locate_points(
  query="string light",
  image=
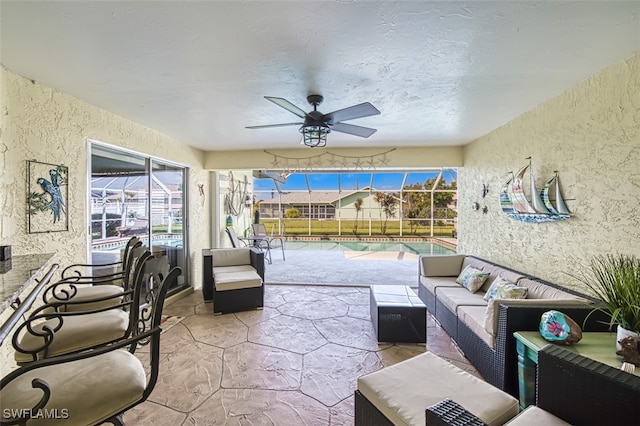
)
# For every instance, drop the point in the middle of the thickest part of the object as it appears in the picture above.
(328, 160)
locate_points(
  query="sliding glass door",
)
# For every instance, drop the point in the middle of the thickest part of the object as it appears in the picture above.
(167, 213)
(132, 195)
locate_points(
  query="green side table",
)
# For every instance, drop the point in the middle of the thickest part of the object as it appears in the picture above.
(597, 346)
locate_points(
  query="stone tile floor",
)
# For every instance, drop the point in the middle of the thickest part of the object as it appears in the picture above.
(295, 362)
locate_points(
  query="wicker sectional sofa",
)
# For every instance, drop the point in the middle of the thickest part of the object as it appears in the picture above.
(484, 330)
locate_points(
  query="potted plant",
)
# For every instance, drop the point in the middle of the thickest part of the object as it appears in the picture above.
(615, 281)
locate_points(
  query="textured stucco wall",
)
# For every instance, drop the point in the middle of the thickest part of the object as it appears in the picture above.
(591, 135)
(40, 123)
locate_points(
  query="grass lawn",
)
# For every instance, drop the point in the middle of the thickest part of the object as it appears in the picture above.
(293, 227)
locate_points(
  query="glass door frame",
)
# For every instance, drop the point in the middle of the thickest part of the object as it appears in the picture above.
(149, 162)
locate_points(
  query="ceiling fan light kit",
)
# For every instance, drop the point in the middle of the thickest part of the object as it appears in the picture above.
(317, 126)
(315, 136)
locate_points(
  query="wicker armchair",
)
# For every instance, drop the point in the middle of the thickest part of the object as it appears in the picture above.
(233, 278)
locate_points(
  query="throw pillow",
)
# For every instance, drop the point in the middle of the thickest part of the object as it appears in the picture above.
(472, 278)
(503, 289)
(497, 284)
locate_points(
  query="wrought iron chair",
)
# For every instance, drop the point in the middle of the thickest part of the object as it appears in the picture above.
(89, 387)
(267, 241)
(54, 329)
(79, 271)
(82, 288)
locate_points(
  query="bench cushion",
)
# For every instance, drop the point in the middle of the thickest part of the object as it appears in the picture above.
(403, 391)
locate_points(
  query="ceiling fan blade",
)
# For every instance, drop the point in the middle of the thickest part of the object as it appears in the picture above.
(274, 125)
(281, 102)
(363, 132)
(356, 111)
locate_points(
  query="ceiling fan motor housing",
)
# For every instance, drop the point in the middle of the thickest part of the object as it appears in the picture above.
(315, 100)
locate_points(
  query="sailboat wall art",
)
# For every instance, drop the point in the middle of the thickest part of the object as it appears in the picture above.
(540, 207)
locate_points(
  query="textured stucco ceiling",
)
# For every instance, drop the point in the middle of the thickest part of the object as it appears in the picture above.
(441, 73)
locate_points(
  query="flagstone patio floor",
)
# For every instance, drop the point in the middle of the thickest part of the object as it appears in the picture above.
(295, 362)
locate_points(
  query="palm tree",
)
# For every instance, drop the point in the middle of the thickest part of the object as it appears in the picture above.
(358, 206)
(388, 204)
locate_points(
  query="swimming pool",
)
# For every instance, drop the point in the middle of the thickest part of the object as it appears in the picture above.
(160, 240)
(415, 247)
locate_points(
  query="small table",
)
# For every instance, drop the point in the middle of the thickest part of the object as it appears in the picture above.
(600, 347)
(257, 241)
(398, 314)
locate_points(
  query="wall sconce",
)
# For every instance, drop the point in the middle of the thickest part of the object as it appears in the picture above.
(248, 202)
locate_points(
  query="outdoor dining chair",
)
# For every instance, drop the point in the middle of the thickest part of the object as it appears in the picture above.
(267, 241)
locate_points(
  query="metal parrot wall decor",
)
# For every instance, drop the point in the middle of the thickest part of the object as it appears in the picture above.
(47, 195)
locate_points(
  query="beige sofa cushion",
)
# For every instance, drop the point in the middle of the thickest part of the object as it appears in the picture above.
(403, 391)
(454, 297)
(497, 271)
(538, 290)
(77, 332)
(441, 266)
(88, 395)
(473, 317)
(491, 315)
(433, 283)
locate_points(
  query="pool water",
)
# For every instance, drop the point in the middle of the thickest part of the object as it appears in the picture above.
(119, 245)
(394, 246)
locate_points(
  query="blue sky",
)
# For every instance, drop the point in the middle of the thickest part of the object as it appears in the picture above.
(350, 181)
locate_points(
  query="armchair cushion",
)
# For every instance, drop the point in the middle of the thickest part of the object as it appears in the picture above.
(232, 257)
(225, 281)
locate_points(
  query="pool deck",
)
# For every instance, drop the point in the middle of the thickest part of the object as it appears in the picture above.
(346, 268)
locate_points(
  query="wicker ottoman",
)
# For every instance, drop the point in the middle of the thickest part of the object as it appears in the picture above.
(400, 394)
(398, 314)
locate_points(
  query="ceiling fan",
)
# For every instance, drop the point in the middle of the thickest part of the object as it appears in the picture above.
(317, 126)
